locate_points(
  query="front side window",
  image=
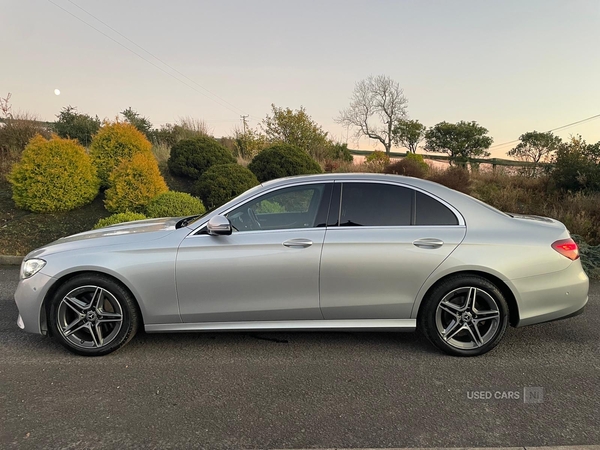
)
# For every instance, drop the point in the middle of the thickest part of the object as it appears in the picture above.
(375, 204)
(287, 208)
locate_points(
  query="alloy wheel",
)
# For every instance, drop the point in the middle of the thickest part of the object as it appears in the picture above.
(89, 317)
(467, 318)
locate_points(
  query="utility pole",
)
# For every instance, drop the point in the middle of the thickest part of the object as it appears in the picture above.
(244, 117)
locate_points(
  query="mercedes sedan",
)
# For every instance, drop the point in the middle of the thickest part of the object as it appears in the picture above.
(323, 252)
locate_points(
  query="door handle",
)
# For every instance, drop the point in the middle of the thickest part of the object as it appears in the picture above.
(298, 243)
(428, 243)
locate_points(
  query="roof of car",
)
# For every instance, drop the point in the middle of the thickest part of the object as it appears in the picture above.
(423, 184)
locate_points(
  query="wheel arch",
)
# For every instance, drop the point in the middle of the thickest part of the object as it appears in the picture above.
(45, 307)
(507, 292)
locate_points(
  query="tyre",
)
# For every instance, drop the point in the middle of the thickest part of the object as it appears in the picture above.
(464, 316)
(93, 315)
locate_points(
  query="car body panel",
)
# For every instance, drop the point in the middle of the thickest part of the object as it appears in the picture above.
(144, 263)
(298, 325)
(376, 273)
(272, 281)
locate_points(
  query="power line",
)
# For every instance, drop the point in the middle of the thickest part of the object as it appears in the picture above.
(154, 56)
(553, 129)
(220, 101)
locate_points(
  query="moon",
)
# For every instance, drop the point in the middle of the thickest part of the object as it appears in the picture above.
(56, 92)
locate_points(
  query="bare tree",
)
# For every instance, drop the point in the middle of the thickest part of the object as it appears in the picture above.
(377, 103)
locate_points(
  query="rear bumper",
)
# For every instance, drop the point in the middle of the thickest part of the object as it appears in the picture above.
(552, 296)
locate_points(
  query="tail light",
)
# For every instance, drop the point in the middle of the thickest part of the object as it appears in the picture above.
(567, 247)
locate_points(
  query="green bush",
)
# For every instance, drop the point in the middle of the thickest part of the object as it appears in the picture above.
(338, 152)
(133, 183)
(412, 165)
(219, 184)
(119, 218)
(174, 204)
(53, 175)
(114, 143)
(193, 157)
(376, 161)
(72, 125)
(282, 160)
(577, 166)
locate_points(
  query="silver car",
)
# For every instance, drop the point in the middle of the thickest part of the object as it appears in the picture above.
(323, 252)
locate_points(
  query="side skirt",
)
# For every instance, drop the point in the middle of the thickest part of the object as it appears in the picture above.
(290, 325)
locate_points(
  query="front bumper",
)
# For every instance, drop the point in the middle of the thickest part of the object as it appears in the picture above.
(552, 296)
(29, 297)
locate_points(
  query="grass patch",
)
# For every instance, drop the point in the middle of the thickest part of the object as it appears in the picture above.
(22, 231)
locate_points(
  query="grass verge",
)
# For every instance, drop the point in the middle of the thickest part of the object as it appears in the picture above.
(22, 231)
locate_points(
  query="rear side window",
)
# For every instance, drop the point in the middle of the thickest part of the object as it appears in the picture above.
(432, 212)
(374, 204)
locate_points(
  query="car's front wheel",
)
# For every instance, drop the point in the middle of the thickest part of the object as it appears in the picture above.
(92, 315)
(464, 316)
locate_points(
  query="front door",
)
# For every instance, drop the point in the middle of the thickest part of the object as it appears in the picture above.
(266, 270)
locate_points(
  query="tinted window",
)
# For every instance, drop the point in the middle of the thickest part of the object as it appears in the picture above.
(293, 207)
(432, 212)
(373, 204)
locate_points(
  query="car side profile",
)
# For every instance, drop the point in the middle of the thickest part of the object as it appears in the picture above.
(319, 252)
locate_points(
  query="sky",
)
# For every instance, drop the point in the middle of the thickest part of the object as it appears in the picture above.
(512, 66)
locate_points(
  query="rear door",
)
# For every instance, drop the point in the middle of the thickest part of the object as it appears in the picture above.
(384, 243)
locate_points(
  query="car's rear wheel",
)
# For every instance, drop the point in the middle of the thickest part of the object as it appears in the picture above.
(464, 316)
(93, 315)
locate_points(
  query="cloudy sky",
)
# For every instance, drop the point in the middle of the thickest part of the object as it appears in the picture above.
(512, 66)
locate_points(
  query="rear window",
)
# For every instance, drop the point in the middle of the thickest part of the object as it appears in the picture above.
(432, 212)
(373, 204)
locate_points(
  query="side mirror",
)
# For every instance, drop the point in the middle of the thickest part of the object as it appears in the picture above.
(219, 226)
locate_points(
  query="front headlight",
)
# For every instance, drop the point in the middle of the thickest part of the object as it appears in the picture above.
(30, 267)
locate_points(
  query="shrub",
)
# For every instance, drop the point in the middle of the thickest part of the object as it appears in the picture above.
(454, 177)
(133, 183)
(377, 155)
(376, 161)
(193, 157)
(187, 128)
(577, 166)
(119, 218)
(15, 134)
(174, 204)
(219, 184)
(72, 125)
(335, 155)
(53, 175)
(114, 143)
(412, 165)
(282, 160)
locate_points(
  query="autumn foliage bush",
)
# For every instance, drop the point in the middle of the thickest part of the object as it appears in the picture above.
(114, 143)
(174, 204)
(53, 175)
(133, 183)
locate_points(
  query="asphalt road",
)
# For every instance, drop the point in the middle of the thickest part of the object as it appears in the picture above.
(299, 390)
